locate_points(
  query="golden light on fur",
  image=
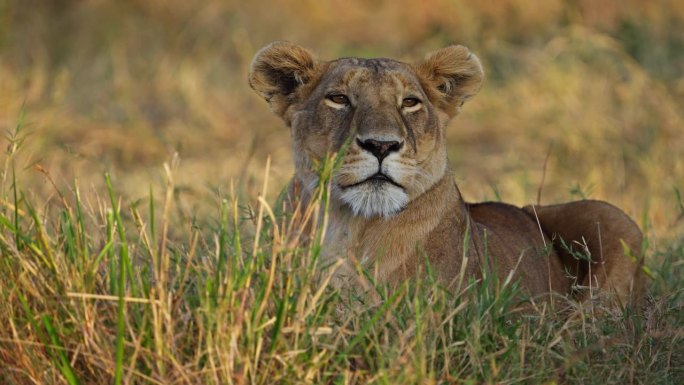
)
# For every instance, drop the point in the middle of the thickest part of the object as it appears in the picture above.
(394, 200)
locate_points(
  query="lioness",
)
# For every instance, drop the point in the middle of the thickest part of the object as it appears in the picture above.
(394, 202)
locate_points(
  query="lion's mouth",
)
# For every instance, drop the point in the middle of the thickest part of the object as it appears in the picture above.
(377, 178)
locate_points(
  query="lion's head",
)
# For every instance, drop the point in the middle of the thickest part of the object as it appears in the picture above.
(391, 116)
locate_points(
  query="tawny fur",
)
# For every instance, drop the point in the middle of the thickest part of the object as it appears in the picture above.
(352, 103)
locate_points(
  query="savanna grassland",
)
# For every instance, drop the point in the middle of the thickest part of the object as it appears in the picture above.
(139, 237)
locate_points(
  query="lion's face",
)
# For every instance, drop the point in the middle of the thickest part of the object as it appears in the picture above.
(393, 136)
(388, 117)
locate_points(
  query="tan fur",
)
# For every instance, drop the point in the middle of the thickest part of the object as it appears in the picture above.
(394, 204)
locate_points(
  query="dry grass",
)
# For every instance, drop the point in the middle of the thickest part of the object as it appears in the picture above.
(119, 87)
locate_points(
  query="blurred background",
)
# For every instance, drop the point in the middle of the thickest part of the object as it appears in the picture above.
(592, 89)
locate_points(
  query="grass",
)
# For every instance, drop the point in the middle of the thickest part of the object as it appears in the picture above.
(120, 293)
(114, 271)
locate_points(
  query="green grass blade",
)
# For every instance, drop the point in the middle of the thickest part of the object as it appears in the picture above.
(83, 239)
(63, 364)
(223, 253)
(17, 239)
(123, 263)
(53, 345)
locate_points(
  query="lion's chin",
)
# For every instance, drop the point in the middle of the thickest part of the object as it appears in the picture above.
(375, 198)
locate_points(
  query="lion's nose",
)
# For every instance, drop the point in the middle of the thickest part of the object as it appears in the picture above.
(380, 148)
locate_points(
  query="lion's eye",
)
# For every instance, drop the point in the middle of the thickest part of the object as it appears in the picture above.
(410, 103)
(339, 99)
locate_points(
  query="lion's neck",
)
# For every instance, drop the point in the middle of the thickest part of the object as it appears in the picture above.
(394, 246)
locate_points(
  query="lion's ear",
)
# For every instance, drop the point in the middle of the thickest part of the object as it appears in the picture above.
(451, 76)
(278, 70)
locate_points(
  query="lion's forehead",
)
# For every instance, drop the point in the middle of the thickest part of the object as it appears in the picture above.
(371, 76)
(375, 64)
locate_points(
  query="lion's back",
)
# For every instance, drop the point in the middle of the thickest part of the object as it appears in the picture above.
(512, 234)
